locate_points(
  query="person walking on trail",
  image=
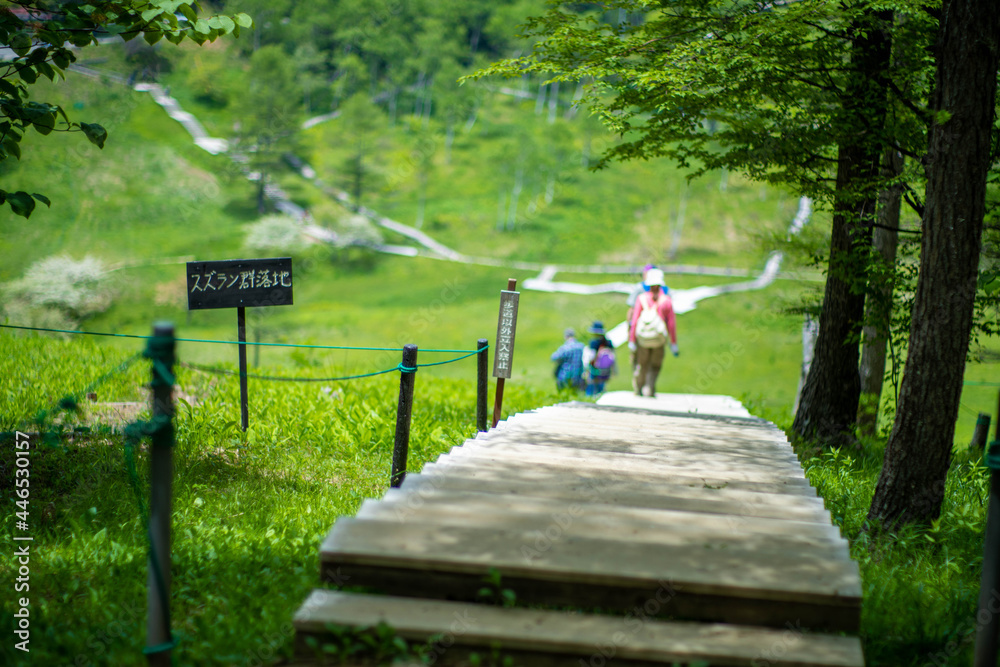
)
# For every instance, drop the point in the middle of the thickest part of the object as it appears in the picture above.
(652, 325)
(598, 360)
(639, 288)
(569, 362)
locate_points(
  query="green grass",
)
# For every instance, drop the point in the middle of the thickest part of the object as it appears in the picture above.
(920, 585)
(251, 509)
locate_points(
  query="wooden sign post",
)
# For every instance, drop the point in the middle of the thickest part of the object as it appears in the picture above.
(503, 358)
(238, 283)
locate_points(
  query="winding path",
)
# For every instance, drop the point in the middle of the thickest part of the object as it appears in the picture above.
(684, 300)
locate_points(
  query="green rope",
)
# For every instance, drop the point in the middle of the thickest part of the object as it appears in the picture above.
(71, 402)
(450, 361)
(275, 378)
(161, 648)
(400, 367)
(229, 342)
(992, 455)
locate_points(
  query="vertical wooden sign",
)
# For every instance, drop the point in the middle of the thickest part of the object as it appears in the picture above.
(503, 357)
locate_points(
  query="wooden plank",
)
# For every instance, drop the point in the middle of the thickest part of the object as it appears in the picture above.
(660, 451)
(553, 520)
(589, 460)
(520, 469)
(639, 443)
(539, 637)
(445, 561)
(664, 458)
(576, 435)
(625, 493)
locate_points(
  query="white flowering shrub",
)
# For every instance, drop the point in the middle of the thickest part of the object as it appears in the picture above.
(281, 234)
(76, 289)
(357, 230)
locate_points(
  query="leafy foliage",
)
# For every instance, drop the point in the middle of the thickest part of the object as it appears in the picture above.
(43, 35)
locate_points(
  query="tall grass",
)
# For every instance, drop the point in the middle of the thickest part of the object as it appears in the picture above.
(250, 509)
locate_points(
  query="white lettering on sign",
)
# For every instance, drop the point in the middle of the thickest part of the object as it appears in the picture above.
(503, 359)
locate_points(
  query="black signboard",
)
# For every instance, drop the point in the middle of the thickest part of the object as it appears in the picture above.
(239, 283)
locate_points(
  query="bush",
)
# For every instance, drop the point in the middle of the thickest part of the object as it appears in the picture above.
(277, 233)
(73, 289)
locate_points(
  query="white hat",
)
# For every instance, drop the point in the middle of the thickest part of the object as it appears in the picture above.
(654, 277)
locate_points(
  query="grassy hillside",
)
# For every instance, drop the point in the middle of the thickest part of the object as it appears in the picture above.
(151, 197)
(259, 502)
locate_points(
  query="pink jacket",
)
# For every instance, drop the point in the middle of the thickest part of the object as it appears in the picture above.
(665, 307)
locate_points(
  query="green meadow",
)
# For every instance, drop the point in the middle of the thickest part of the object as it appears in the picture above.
(250, 508)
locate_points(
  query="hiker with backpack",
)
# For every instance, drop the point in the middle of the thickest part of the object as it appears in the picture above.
(652, 326)
(569, 363)
(598, 360)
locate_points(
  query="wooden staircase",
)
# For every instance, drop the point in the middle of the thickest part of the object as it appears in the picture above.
(673, 538)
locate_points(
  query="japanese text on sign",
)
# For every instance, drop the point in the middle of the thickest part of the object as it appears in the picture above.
(503, 358)
(239, 283)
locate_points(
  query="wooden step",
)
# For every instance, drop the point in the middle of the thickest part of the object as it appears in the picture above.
(626, 524)
(562, 485)
(641, 443)
(657, 452)
(634, 469)
(547, 638)
(713, 583)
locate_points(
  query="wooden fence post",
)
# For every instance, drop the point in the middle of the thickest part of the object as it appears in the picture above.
(401, 446)
(482, 382)
(986, 632)
(159, 642)
(982, 432)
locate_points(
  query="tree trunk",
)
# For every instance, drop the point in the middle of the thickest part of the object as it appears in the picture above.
(878, 311)
(261, 199)
(553, 102)
(828, 406)
(911, 486)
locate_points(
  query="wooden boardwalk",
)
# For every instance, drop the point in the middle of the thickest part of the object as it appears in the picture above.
(629, 536)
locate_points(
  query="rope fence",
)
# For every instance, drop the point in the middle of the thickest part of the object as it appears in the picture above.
(467, 353)
(159, 430)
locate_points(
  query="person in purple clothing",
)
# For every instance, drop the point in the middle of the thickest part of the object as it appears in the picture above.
(569, 362)
(598, 360)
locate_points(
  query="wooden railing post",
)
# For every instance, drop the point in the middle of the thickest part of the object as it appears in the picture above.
(982, 432)
(482, 384)
(401, 446)
(988, 621)
(159, 641)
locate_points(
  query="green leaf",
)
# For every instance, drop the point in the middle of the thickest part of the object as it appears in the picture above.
(21, 203)
(243, 20)
(28, 74)
(201, 26)
(9, 89)
(96, 134)
(188, 13)
(42, 198)
(47, 71)
(151, 14)
(171, 6)
(20, 43)
(152, 36)
(44, 124)
(12, 147)
(61, 58)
